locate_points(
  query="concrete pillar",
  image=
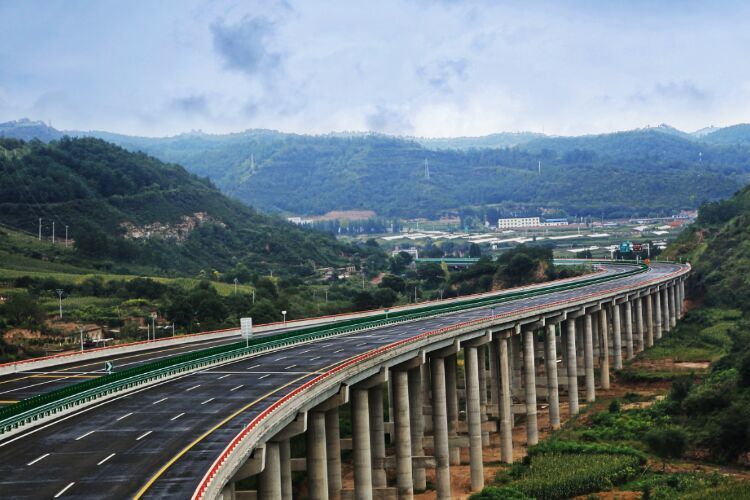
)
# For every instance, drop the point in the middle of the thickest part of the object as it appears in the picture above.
(595, 335)
(377, 436)
(639, 323)
(285, 467)
(333, 453)
(665, 310)
(401, 414)
(617, 336)
(451, 398)
(572, 367)
(515, 363)
(482, 364)
(657, 310)
(629, 351)
(361, 445)
(416, 416)
(588, 358)
(649, 320)
(550, 368)
(532, 433)
(682, 298)
(494, 380)
(270, 478)
(440, 429)
(474, 417)
(672, 308)
(506, 424)
(317, 475)
(604, 349)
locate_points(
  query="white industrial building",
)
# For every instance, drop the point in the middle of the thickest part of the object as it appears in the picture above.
(518, 222)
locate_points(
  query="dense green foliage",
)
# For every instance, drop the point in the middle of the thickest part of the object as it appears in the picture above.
(647, 172)
(94, 187)
(650, 171)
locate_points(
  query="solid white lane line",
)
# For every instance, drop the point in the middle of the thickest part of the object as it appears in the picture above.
(124, 416)
(143, 435)
(191, 388)
(38, 459)
(224, 376)
(235, 388)
(62, 491)
(207, 401)
(157, 402)
(104, 460)
(84, 435)
(177, 416)
(264, 376)
(290, 367)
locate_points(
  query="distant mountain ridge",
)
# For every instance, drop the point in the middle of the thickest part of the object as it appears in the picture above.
(648, 171)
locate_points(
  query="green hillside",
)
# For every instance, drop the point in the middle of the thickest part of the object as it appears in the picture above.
(106, 195)
(645, 172)
(654, 171)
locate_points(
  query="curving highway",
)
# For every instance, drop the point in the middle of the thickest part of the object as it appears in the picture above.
(160, 441)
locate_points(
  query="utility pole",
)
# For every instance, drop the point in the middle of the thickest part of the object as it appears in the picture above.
(235, 286)
(60, 293)
(40, 229)
(66, 236)
(81, 339)
(253, 296)
(53, 232)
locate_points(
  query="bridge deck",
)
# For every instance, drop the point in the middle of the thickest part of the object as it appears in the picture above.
(167, 435)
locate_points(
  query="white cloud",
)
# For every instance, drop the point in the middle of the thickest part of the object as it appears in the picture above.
(398, 66)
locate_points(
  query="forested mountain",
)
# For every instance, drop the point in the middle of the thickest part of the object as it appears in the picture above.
(642, 172)
(500, 140)
(717, 245)
(137, 210)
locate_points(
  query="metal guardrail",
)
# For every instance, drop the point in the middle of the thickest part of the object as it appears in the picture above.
(43, 405)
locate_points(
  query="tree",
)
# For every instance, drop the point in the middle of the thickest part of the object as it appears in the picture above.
(431, 274)
(475, 251)
(399, 262)
(395, 283)
(22, 310)
(668, 442)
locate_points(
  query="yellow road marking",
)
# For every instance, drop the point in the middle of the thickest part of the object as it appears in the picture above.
(203, 436)
(8, 401)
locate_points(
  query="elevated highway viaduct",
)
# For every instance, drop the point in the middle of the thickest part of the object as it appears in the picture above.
(201, 433)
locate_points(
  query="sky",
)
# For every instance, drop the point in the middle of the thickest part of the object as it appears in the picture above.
(409, 67)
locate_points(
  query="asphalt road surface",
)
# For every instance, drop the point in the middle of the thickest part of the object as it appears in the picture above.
(160, 440)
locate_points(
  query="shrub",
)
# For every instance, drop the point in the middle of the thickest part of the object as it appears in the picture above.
(614, 406)
(667, 443)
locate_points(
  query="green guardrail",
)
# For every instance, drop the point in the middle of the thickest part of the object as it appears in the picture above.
(49, 403)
